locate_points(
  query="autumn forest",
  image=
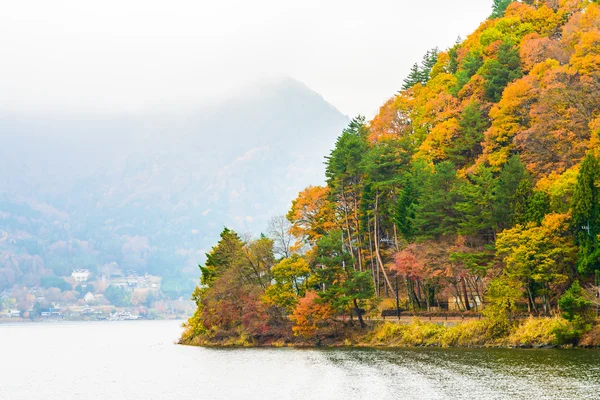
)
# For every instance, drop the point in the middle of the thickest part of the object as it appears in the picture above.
(473, 193)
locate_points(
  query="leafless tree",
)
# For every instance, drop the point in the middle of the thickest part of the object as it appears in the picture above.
(594, 294)
(279, 231)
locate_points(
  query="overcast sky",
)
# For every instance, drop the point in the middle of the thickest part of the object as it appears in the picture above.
(114, 55)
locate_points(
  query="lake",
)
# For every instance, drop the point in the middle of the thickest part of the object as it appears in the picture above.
(138, 360)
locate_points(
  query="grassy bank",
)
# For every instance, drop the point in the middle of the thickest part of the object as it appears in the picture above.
(529, 333)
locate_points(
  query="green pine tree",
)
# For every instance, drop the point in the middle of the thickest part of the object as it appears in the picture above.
(467, 146)
(414, 77)
(436, 214)
(586, 213)
(521, 201)
(476, 205)
(539, 206)
(343, 163)
(509, 179)
(404, 213)
(468, 67)
(453, 55)
(226, 254)
(499, 7)
(573, 302)
(427, 64)
(501, 71)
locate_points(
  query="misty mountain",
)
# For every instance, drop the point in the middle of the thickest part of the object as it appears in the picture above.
(151, 191)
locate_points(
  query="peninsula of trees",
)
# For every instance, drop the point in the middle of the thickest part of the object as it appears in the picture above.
(475, 188)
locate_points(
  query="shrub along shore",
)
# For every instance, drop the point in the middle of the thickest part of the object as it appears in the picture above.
(533, 332)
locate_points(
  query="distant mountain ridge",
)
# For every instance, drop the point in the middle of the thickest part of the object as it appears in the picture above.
(152, 191)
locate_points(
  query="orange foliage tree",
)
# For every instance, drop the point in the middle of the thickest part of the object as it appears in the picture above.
(312, 214)
(310, 316)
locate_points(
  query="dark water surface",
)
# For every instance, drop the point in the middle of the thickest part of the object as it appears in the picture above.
(138, 360)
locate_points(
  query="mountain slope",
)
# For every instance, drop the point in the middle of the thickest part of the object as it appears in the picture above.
(152, 191)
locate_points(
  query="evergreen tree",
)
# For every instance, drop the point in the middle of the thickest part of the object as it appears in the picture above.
(412, 185)
(586, 215)
(225, 255)
(468, 67)
(528, 205)
(577, 309)
(427, 64)
(345, 176)
(476, 205)
(521, 201)
(343, 288)
(384, 164)
(405, 213)
(573, 303)
(467, 146)
(414, 77)
(501, 71)
(453, 55)
(539, 206)
(436, 214)
(343, 163)
(509, 179)
(499, 7)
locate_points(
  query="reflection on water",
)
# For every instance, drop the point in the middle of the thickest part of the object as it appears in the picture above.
(482, 374)
(138, 360)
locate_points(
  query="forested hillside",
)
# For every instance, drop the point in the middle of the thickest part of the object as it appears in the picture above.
(475, 187)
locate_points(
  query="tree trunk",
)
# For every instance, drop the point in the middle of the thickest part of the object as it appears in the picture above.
(377, 253)
(473, 292)
(427, 299)
(419, 294)
(348, 226)
(477, 292)
(457, 297)
(359, 242)
(465, 294)
(532, 307)
(375, 278)
(410, 288)
(359, 314)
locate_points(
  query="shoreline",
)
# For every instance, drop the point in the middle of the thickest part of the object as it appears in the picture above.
(533, 333)
(383, 347)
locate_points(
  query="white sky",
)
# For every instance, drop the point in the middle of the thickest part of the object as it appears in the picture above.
(74, 55)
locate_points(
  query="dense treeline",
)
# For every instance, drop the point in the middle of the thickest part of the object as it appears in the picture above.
(475, 188)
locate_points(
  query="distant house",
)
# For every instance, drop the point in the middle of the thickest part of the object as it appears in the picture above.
(81, 275)
(89, 296)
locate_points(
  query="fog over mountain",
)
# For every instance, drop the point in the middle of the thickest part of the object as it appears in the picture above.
(152, 190)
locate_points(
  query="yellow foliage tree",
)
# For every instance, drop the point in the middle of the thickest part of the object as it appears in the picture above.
(312, 215)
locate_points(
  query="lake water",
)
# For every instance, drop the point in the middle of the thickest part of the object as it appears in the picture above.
(139, 360)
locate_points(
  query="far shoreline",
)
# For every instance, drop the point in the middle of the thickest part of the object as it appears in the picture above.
(26, 321)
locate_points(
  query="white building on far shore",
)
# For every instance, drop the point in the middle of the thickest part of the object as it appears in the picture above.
(81, 275)
(89, 297)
